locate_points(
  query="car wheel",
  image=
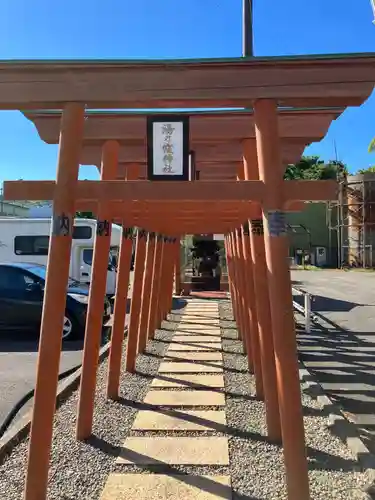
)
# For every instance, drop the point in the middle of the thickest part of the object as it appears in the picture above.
(70, 329)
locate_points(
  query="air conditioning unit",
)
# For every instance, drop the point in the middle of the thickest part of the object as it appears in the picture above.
(320, 256)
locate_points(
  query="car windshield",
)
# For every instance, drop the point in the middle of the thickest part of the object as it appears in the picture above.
(88, 255)
(41, 272)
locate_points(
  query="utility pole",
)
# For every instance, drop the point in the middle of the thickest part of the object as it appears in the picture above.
(247, 28)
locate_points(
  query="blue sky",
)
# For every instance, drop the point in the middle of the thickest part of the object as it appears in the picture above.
(41, 29)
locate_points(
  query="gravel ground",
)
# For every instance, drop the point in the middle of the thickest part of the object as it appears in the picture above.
(257, 468)
(81, 472)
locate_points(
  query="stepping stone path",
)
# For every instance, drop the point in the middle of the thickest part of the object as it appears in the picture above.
(190, 376)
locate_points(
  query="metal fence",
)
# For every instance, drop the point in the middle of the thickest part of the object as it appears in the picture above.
(306, 308)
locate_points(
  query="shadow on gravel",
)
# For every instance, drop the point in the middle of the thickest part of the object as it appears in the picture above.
(191, 385)
(181, 414)
(170, 358)
(319, 460)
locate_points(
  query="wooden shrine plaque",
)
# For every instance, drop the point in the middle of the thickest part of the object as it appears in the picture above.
(168, 148)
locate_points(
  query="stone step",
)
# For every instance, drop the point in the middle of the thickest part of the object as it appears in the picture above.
(192, 320)
(209, 315)
(179, 420)
(192, 307)
(180, 367)
(202, 313)
(196, 326)
(166, 487)
(206, 333)
(196, 338)
(197, 347)
(185, 398)
(174, 451)
(194, 356)
(189, 380)
(201, 307)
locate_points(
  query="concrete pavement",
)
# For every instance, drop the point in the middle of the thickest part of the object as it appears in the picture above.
(18, 359)
(342, 354)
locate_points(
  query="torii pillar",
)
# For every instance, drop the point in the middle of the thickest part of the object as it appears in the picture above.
(284, 336)
(94, 319)
(250, 304)
(146, 293)
(178, 268)
(156, 272)
(136, 300)
(71, 135)
(259, 277)
(121, 301)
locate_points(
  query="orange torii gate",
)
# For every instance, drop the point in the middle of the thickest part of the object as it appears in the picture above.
(172, 192)
(208, 130)
(215, 137)
(294, 81)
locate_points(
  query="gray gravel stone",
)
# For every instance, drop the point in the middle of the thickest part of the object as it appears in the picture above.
(79, 470)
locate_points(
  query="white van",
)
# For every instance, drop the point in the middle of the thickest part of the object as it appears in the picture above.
(27, 240)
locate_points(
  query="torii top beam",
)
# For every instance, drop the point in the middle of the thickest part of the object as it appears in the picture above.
(212, 128)
(211, 133)
(299, 81)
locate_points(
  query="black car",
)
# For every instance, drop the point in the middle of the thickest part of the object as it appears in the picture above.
(21, 300)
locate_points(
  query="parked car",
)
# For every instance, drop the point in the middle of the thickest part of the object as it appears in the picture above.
(21, 300)
(28, 240)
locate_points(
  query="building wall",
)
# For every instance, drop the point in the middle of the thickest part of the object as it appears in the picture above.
(314, 219)
(9, 209)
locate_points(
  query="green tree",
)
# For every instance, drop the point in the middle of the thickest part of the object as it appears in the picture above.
(371, 148)
(314, 168)
(369, 170)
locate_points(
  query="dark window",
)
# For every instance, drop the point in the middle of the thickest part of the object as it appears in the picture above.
(87, 256)
(82, 232)
(14, 279)
(31, 245)
(38, 245)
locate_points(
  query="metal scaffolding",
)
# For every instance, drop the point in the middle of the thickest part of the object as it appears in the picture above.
(351, 220)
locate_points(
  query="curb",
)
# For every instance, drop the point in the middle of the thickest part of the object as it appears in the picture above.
(341, 427)
(20, 429)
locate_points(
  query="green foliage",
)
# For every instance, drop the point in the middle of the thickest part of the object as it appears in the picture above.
(369, 170)
(313, 168)
(371, 148)
(85, 215)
